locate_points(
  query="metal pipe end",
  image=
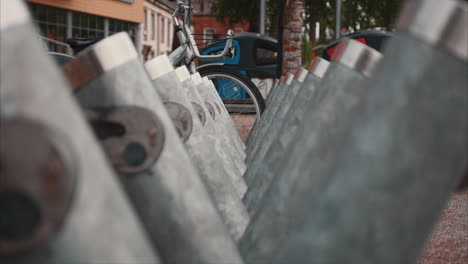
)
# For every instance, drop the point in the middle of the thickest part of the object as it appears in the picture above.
(357, 56)
(103, 56)
(13, 12)
(275, 82)
(182, 73)
(281, 80)
(319, 67)
(301, 74)
(197, 78)
(438, 23)
(288, 78)
(206, 81)
(159, 66)
(110, 52)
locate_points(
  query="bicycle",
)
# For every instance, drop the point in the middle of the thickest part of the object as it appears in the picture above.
(188, 52)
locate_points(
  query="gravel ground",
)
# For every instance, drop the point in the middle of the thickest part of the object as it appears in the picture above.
(449, 240)
(448, 243)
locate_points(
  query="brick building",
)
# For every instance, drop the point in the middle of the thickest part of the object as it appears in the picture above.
(204, 23)
(59, 20)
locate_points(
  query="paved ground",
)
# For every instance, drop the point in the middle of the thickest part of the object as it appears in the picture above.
(449, 240)
(243, 123)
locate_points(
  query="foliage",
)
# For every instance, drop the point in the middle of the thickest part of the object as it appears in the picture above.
(356, 14)
(307, 53)
(238, 11)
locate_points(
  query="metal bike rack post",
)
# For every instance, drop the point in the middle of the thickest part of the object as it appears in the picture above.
(275, 89)
(282, 208)
(268, 116)
(225, 117)
(211, 130)
(286, 134)
(168, 195)
(258, 151)
(59, 200)
(271, 94)
(206, 94)
(199, 145)
(195, 96)
(405, 154)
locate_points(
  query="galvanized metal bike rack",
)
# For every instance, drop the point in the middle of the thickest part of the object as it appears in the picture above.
(341, 91)
(271, 94)
(36, 190)
(132, 144)
(405, 153)
(260, 128)
(259, 150)
(211, 130)
(199, 145)
(204, 93)
(222, 117)
(262, 178)
(225, 117)
(59, 199)
(167, 196)
(274, 89)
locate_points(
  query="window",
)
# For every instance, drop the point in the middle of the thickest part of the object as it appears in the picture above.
(53, 24)
(116, 26)
(208, 35)
(162, 29)
(145, 33)
(265, 56)
(169, 31)
(87, 26)
(153, 26)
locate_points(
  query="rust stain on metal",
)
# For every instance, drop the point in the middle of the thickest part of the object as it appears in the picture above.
(51, 173)
(152, 132)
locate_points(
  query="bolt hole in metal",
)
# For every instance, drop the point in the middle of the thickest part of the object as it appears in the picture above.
(135, 154)
(181, 118)
(106, 129)
(20, 216)
(200, 113)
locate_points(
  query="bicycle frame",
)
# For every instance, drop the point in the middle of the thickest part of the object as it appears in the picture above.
(188, 51)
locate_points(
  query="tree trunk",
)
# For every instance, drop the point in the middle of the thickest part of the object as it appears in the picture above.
(292, 35)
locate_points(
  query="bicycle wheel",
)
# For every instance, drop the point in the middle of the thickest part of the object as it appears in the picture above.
(243, 97)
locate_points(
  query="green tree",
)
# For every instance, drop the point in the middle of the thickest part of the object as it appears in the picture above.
(356, 14)
(238, 11)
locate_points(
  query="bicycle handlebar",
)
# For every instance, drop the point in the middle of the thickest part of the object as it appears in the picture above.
(184, 7)
(218, 57)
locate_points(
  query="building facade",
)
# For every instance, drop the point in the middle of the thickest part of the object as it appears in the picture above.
(60, 20)
(148, 22)
(207, 27)
(157, 30)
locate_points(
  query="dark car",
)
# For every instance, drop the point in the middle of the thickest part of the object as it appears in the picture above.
(372, 38)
